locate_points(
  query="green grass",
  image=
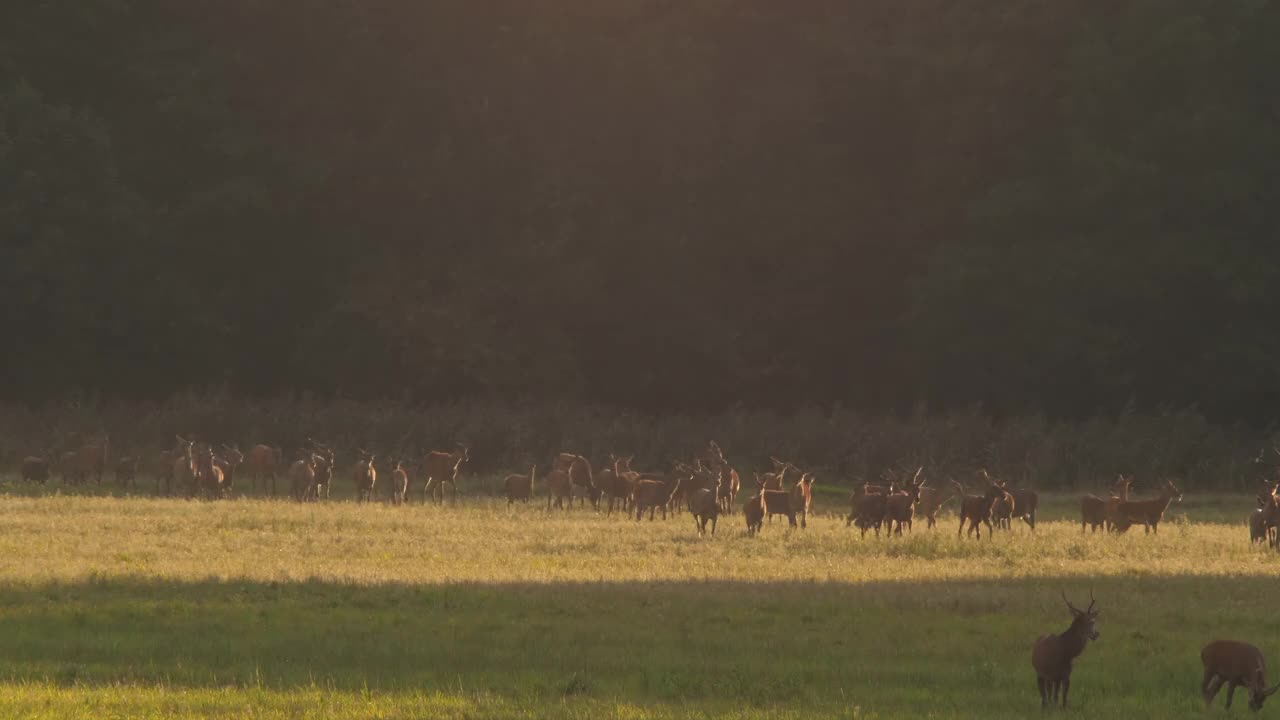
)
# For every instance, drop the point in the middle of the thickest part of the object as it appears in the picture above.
(129, 607)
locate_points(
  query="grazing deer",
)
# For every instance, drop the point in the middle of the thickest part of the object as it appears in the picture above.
(399, 483)
(520, 487)
(650, 494)
(228, 459)
(1150, 512)
(704, 503)
(1052, 655)
(365, 476)
(1269, 513)
(442, 468)
(900, 507)
(35, 469)
(869, 508)
(976, 509)
(1098, 513)
(1236, 664)
(265, 462)
(753, 512)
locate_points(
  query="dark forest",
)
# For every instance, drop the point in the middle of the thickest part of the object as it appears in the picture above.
(1031, 207)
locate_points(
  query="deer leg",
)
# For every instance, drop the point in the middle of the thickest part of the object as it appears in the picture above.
(1044, 694)
(961, 530)
(1231, 690)
(1209, 677)
(989, 533)
(1066, 687)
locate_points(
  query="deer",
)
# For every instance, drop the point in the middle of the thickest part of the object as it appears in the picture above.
(753, 512)
(1235, 664)
(900, 507)
(265, 462)
(209, 477)
(704, 503)
(650, 494)
(520, 487)
(126, 471)
(1257, 527)
(977, 509)
(1268, 513)
(302, 476)
(1150, 512)
(365, 475)
(618, 482)
(730, 483)
(579, 470)
(559, 487)
(183, 472)
(399, 483)
(91, 459)
(869, 509)
(1002, 512)
(932, 500)
(1053, 655)
(1098, 513)
(228, 459)
(441, 468)
(323, 466)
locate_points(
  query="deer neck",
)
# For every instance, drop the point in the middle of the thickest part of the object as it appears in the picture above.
(1074, 639)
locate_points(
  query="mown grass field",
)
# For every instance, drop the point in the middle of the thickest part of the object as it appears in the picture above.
(135, 607)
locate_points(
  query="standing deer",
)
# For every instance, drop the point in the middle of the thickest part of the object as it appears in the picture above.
(977, 509)
(900, 507)
(559, 487)
(1236, 664)
(399, 483)
(265, 462)
(520, 487)
(442, 468)
(228, 459)
(1098, 513)
(1150, 512)
(365, 475)
(932, 500)
(35, 469)
(1052, 655)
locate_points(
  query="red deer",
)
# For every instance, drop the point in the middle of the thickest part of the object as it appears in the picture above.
(652, 494)
(932, 500)
(790, 502)
(900, 507)
(579, 470)
(1236, 664)
(1052, 655)
(1002, 512)
(365, 476)
(869, 508)
(265, 462)
(730, 483)
(323, 465)
(976, 509)
(209, 477)
(753, 512)
(520, 487)
(302, 476)
(559, 487)
(617, 482)
(399, 483)
(35, 469)
(704, 503)
(183, 472)
(89, 460)
(67, 466)
(228, 459)
(1269, 513)
(442, 468)
(1150, 512)
(1096, 512)
(1257, 527)
(165, 463)
(1025, 504)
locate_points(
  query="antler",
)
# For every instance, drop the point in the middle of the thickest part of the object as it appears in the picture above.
(1091, 601)
(915, 479)
(1070, 607)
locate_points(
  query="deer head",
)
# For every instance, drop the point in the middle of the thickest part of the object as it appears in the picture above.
(1086, 618)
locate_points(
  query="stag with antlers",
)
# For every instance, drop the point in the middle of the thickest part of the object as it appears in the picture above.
(1053, 655)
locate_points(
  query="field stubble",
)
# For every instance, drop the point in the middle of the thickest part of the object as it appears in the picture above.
(132, 607)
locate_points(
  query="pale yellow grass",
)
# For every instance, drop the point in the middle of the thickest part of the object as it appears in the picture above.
(73, 538)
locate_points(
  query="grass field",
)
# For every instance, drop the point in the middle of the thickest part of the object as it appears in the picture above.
(134, 607)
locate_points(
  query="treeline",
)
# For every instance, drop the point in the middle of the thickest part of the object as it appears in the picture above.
(841, 447)
(1065, 209)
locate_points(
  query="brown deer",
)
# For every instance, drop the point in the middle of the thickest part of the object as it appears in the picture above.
(931, 501)
(1052, 655)
(1098, 513)
(1268, 512)
(1257, 527)
(183, 474)
(302, 476)
(730, 482)
(617, 482)
(365, 476)
(442, 468)
(704, 503)
(520, 487)
(1002, 512)
(753, 512)
(1025, 505)
(579, 470)
(650, 494)
(1236, 664)
(209, 477)
(1150, 512)
(900, 507)
(265, 462)
(35, 469)
(399, 483)
(228, 459)
(323, 465)
(126, 471)
(89, 460)
(976, 509)
(869, 508)
(559, 487)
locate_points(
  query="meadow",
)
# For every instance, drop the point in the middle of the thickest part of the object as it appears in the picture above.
(137, 607)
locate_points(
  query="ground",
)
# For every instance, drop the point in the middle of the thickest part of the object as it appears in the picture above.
(135, 607)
